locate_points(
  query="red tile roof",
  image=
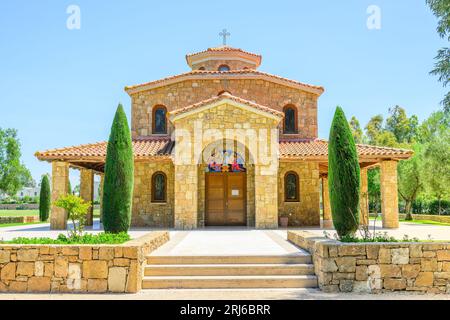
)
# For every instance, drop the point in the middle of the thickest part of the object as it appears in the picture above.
(222, 49)
(225, 96)
(238, 74)
(161, 148)
(144, 148)
(295, 149)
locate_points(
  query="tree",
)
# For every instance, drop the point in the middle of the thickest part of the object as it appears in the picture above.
(13, 174)
(441, 9)
(76, 209)
(403, 128)
(343, 176)
(44, 199)
(357, 132)
(374, 128)
(437, 167)
(436, 124)
(119, 176)
(410, 179)
(69, 187)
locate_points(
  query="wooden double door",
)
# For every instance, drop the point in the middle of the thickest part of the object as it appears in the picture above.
(226, 199)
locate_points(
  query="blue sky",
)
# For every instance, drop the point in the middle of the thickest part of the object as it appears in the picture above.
(60, 87)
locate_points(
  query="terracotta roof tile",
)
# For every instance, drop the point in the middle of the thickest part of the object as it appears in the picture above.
(224, 96)
(319, 148)
(223, 49)
(143, 148)
(232, 73)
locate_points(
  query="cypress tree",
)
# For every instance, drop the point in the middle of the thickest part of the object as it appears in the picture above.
(343, 176)
(44, 199)
(119, 176)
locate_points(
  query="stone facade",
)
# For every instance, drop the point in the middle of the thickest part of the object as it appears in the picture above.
(77, 268)
(188, 185)
(182, 94)
(144, 211)
(60, 187)
(377, 267)
(305, 212)
(87, 192)
(215, 64)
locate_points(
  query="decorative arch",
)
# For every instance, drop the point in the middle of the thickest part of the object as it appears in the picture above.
(290, 122)
(291, 187)
(159, 187)
(159, 119)
(201, 68)
(223, 91)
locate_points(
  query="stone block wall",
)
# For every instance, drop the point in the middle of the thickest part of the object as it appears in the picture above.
(306, 212)
(145, 212)
(182, 94)
(27, 219)
(377, 267)
(77, 268)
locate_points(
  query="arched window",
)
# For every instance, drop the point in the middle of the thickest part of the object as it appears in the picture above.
(291, 192)
(290, 119)
(223, 67)
(159, 187)
(159, 121)
(201, 68)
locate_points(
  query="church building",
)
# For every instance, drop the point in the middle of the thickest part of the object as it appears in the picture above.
(225, 144)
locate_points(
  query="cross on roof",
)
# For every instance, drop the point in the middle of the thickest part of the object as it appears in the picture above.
(224, 34)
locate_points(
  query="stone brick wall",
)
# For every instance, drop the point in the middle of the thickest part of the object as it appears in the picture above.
(188, 92)
(28, 219)
(377, 267)
(306, 212)
(76, 268)
(144, 211)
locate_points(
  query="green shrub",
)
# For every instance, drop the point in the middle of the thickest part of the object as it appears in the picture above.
(119, 176)
(76, 210)
(44, 199)
(101, 238)
(343, 176)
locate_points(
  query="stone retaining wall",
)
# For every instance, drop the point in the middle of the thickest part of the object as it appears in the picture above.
(77, 268)
(377, 267)
(27, 219)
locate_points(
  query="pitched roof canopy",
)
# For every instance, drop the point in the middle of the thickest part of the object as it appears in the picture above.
(161, 148)
(225, 53)
(232, 74)
(224, 97)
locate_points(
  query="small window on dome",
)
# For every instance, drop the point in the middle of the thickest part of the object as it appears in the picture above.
(224, 67)
(201, 68)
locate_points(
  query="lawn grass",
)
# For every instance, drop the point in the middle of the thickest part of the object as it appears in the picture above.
(31, 212)
(19, 213)
(416, 221)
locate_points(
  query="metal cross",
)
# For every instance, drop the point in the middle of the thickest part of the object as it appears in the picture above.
(224, 34)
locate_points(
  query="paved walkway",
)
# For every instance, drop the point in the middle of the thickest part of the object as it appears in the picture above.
(230, 241)
(223, 294)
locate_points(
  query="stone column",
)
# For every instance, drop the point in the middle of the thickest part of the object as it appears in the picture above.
(60, 187)
(100, 195)
(87, 192)
(186, 194)
(327, 219)
(364, 199)
(266, 198)
(389, 193)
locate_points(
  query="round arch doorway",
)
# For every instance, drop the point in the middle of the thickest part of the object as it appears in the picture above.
(225, 186)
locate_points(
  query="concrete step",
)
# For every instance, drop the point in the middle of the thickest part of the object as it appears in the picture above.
(231, 282)
(300, 258)
(228, 269)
